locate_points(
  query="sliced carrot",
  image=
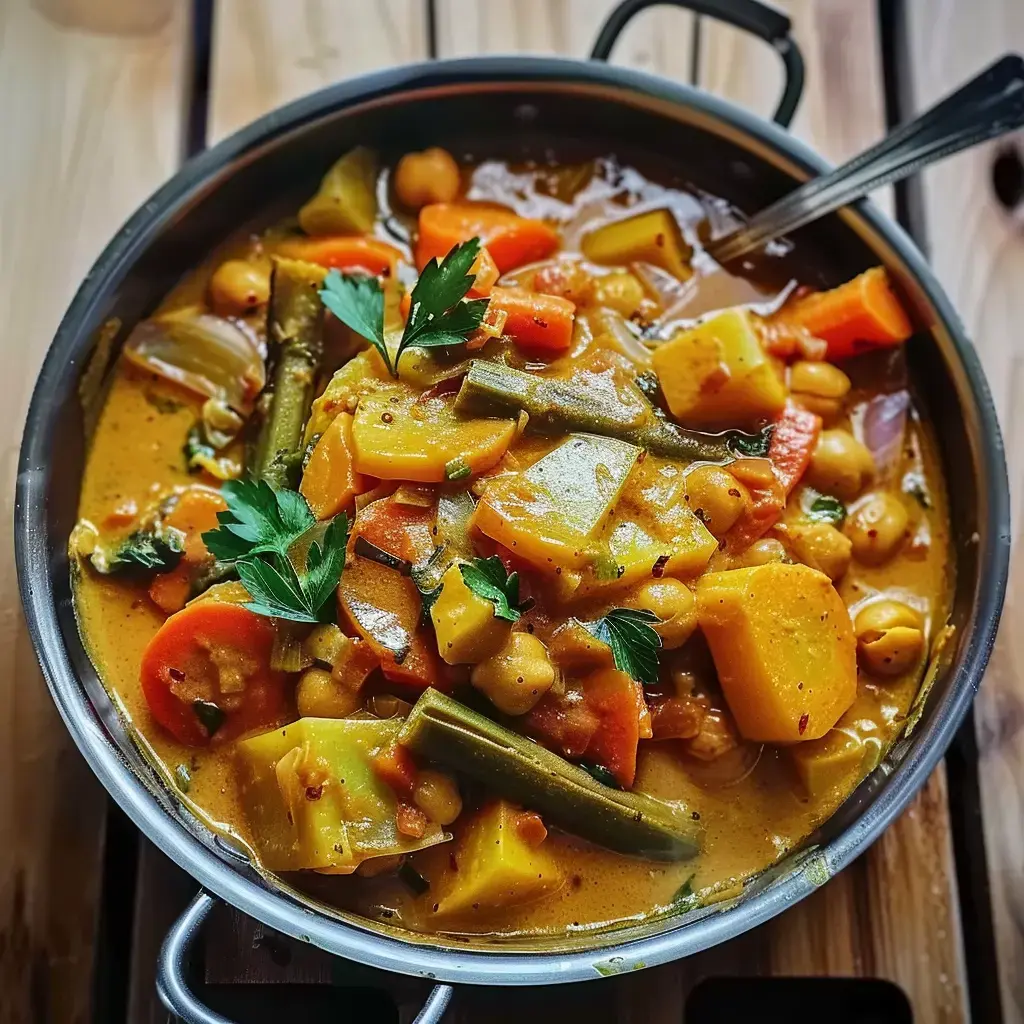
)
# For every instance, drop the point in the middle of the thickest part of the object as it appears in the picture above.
(400, 530)
(169, 591)
(193, 514)
(611, 695)
(511, 240)
(534, 320)
(767, 500)
(330, 481)
(485, 273)
(793, 442)
(855, 317)
(346, 252)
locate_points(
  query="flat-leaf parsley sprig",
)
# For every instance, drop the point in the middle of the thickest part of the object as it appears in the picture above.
(289, 563)
(634, 643)
(439, 313)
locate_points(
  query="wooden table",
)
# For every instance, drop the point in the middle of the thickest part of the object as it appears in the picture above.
(99, 102)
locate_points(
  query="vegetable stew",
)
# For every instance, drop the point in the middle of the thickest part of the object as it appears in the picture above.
(480, 554)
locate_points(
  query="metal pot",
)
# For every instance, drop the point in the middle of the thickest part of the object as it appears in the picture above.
(531, 105)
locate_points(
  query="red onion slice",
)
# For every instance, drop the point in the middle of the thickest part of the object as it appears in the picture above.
(882, 427)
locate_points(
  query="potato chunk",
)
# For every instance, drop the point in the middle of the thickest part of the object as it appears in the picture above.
(397, 437)
(497, 867)
(313, 801)
(465, 624)
(718, 374)
(651, 237)
(784, 649)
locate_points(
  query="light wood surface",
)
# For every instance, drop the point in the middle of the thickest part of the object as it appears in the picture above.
(978, 253)
(91, 117)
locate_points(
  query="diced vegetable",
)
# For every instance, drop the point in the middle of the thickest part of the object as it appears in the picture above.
(651, 237)
(445, 730)
(784, 649)
(347, 252)
(552, 513)
(398, 437)
(212, 657)
(384, 608)
(612, 696)
(485, 273)
(766, 500)
(170, 591)
(510, 239)
(534, 320)
(363, 373)
(346, 202)
(314, 801)
(466, 627)
(855, 317)
(206, 354)
(401, 530)
(494, 867)
(793, 443)
(588, 402)
(718, 373)
(295, 327)
(330, 481)
(395, 766)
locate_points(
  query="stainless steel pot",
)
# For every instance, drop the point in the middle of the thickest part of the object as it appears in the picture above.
(517, 106)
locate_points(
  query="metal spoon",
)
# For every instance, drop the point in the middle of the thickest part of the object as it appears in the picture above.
(986, 107)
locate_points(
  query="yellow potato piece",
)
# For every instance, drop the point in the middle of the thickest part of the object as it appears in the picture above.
(651, 237)
(363, 373)
(397, 438)
(784, 649)
(497, 868)
(464, 622)
(718, 373)
(552, 513)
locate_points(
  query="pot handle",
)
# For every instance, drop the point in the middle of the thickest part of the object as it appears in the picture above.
(172, 966)
(762, 20)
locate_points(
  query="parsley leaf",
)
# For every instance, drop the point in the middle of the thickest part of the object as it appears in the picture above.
(438, 316)
(826, 509)
(752, 446)
(281, 591)
(599, 773)
(487, 578)
(210, 715)
(151, 549)
(258, 519)
(634, 644)
(358, 302)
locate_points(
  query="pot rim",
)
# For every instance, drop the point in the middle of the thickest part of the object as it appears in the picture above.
(451, 963)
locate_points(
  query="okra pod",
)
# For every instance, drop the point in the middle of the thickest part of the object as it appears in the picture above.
(444, 730)
(564, 406)
(295, 334)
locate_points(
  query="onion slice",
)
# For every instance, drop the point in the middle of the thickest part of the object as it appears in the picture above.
(207, 354)
(882, 427)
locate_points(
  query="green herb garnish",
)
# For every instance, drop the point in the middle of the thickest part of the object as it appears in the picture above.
(457, 469)
(634, 644)
(210, 716)
(601, 774)
(153, 549)
(826, 509)
(289, 563)
(753, 446)
(685, 898)
(487, 578)
(183, 777)
(197, 448)
(439, 314)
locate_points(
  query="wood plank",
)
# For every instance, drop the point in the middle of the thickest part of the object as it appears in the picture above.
(658, 40)
(978, 252)
(267, 53)
(91, 109)
(894, 914)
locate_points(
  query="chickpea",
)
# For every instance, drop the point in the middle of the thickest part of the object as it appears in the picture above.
(890, 637)
(516, 678)
(716, 497)
(239, 286)
(428, 177)
(819, 387)
(877, 528)
(822, 547)
(673, 602)
(841, 465)
(620, 291)
(320, 695)
(437, 796)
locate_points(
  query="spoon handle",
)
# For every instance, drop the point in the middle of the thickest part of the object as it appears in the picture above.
(988, 106)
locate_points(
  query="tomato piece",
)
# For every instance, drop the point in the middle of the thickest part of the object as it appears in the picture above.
(218, 654)
(611, 695)
(394, 765)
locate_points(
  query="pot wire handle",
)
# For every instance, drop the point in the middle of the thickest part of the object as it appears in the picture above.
(760, 19)
(172, 967)
(989, 105)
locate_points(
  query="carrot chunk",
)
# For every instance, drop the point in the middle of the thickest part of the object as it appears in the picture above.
(855, 317)
(793, 442)
(534, 320)
(346, 252)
